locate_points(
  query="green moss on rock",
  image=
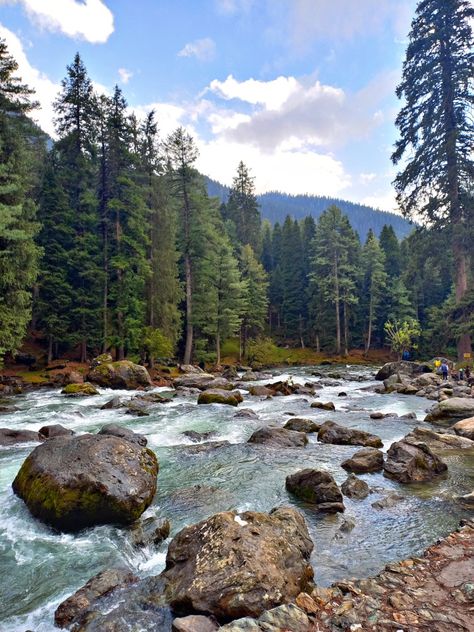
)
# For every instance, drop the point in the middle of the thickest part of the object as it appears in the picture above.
(77, 390)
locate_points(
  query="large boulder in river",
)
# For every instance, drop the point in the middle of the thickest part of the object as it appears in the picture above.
(441, 442)
(276, 437)
(330, 432)
(123, 432)
(453, 408)
(410, 369)
(122, 374)
(220, 396)
(8, 436)
(302, 425)
(81, 481)
(86, 389)
(194, 380)
(364, 461)
(465, 428)
(317, 487)
(411, 461)
(235, 565)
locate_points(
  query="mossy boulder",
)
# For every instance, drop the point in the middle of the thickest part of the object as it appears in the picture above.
(220, 396)
(76, 482)
(80, 390)
(317, 487)
(121, 375)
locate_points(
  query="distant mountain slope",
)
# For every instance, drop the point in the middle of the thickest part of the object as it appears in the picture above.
(276, 206)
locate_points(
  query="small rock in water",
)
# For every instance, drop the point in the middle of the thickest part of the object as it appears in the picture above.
(331, 432)
(347, 525)
(150, 531)
(302, 425)
(317, 487)
(279, 437)
(80, 390)
(124, 433)
(197, 436)
(323, 405)
(246, 413)
(115, 402)
(55, 430)
(411, 460)
(388, 502)
(9, 436)
(354, 487)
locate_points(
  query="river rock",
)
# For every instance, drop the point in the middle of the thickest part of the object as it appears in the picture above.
(246, 413)
(317, 487)
(235, 565)
(283, 388)
(121, 375)
(73, 608)
(194, 623)
(441, 442)
(195, 436)
(404, 367)
(323, 405)
(199, 380)
(249, 376)
(387, 502)
(454, 408)
(363, 461)
(279, 437)
(411, 461)
(124, 433)
(261, 391)
(330, 432)
(465, 428)
(81, 481)
(190, 369)
(80, 390)
(9, 436)
(219, 396)
(353, 487)
(115, 402)
(55, 430)
(150, 531)
(302, 425)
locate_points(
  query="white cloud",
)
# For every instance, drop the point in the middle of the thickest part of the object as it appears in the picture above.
(307, 114)
(231, 7)
(90, 20)
(125, 75)
(46, 90)
(365, 178)
(384, 200)
(271, 94)
(168, 116)
(203, 49)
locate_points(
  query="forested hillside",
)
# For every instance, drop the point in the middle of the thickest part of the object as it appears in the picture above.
(275, 206)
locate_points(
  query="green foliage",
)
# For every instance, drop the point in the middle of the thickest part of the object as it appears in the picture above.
(156, 344)
(242, 210)
(262, 352)
(402, 335)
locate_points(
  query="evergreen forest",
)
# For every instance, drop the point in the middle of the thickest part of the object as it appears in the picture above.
(110, 241)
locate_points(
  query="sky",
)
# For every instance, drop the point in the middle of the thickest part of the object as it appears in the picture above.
(303, 91)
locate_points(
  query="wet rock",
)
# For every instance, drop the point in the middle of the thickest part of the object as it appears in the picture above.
(235, 565)
(122, 375)
(408, 416)
(155, 398)
(441, 442)
(150, 531)
(74, 608)
(454, 408)
(219, 382)
(246, 413)
(279, 437)
(200, 380)
(190, 369)
(363, 461)
(80, 390)
(10, 437)
(283, 388)
(81, 481)
(465, 428)
(353, 487)
(219, 396)
(380, 415)
(317, 487)
(194, 623)
(136, 408)
(387, 502)
(261, 391)
(55, 430)
(467, 500)
(283, 618)
(323, 405)
(197, 436)
(230, 373)
(207, 446)
(347, 525)
(410, 369)
(302, 425)
(115, 402)
(342, 394)
(124, 433)
(249, 376)
(410, 461)
(330, 432)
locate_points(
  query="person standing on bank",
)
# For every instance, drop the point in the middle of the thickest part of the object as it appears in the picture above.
(444, 370)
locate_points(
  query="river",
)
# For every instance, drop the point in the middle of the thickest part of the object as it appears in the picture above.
(39, 567)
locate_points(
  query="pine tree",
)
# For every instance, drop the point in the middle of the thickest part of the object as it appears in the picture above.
(436, 132)
(391, 248)
(255, 296)
(18, 252)
(242, 209)
(292, 276)
(276, 281)
(374, 284)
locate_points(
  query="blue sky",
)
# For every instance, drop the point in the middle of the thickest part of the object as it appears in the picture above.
(301, 90)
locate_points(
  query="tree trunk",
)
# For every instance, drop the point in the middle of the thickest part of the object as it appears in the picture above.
(369, 330)
(336, 302)
(218, 348)
(189, 311)
(318, 344)
(464, 343)
(346, 330)
(50, 348)
(83, 350)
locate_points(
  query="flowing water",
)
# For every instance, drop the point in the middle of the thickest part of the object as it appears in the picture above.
(40, 567)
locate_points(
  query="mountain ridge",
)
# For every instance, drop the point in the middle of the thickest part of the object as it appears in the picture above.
(275, 206)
